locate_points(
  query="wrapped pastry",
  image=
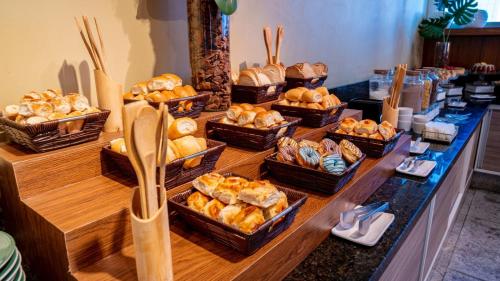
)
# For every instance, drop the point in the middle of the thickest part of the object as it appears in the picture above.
(197, 201)
(213, 208)
(249, 219)
(227, 191)
(208, 182)
(259, 193)
(277, 208)
(181, 127)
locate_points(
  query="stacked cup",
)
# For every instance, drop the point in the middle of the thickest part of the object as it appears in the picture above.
(404, 118)
(10, 259)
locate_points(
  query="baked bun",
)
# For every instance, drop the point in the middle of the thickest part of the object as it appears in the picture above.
(246, 117)
(31, 97)
(330, 101)
(277, 208)
(213, 208)
(181, 127)
(156, 96)
(386, 130)
(187, 146)
(284, 102)
(312, 96)
(300, 70)
(226, 120)
(340, 131)
(264, 120)
(25, 109)
(61, 105)
(259, 109)
(350, 152)
(259, 193)
(11, 111)
(172, 152)
(234, 112)
(197, 201)
(181, 92)
(229, 213)
(227, 191)
(251, 126)
(35, 120)
(42, 108)
(366, 126)
(140, 88)
(314, 105)
(348, 124)
(323, 91)
(249, 219)
(275, 72)
(247, 106)
(160, 83)
(376, 136)
(48, 95)
(118, 145)
(78, 102)
(277, 116)
(57, 116)
(208, 182)
(294, 94)
(320, 69)
(176, 80)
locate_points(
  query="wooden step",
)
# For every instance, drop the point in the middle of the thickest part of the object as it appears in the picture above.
(196, 257)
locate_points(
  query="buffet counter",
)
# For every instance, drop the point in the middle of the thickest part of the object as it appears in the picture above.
(424, 211)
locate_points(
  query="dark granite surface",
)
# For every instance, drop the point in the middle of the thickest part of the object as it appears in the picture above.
(352, 91)
(338, 259)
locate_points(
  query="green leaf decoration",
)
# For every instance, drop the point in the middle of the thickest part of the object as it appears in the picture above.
(441, 5)
(433, 28)
(227, 7)
(463, 11)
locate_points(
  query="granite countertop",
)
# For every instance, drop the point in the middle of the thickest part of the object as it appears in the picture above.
(338, 259)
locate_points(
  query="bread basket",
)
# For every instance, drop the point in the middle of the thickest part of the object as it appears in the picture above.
(232, 237)
(47, 136)
(310, 83)
(256, 94)
(176, 174)
(315, 118)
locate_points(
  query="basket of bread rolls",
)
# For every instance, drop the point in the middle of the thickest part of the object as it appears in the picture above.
(259, 85)
(251, 126)
(317, 107)
(182, 101)
(376, 140)
(306, 75)
(324, 166)
(49, 120)
(187, 156)
(236, 211)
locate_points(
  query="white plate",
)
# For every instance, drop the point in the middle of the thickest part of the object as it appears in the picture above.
(11, 267)
(461, 104)
(377, 229)
(481, 97)
(420, 149)
(423, 171)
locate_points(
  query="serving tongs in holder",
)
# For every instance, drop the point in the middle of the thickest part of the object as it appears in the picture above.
(365, 216)
(390, 107)
(144, 130)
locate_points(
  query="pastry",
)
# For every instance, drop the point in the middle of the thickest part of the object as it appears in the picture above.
(330, 101)
(197, 201)
(277, 116)
(249, 219)
(340, 131)
(48, 95)
(310, 143)
(320, 69)
(181, 92)
(250, 126)
(307, 157)
(172, 152)
(303, 104)
(314, 105)
(300, 70)
(248, 77)
(25, 109)
(259, 109)
(263, 79)
(263, 120)
(275, 73)
(213, 208)
(61, 105)
(284, 102)
(31, 97)
(140, 88)
(281, 132)
(277, 208)
(366, 126)
(295, 103)
(246, 117)
(11, 111)
(228, 213)
(227, 191)
(156, 96)
(376, 136)
(42, 108)
(323, 91)
(259, 193)
(234, 112)
(181, 127)
(327, 146)
(208, 182)
(386, 130)
(312, 96)
(348, 124)
(118, 146)
(350, 152)
(35, 120)
(363, 135)
(246, 106)
(294, 94)
(286, 141)
(187, 146)
(286, 154)
(176, 80)
(332, 163)
(225, 120)
(190, 90)
(20, 120)
(78, 102)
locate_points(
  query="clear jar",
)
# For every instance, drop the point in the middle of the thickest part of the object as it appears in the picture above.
(380, 83)
(435, 82)
(426, 97)
(413, 91)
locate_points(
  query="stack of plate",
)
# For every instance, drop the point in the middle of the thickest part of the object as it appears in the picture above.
(10, 259)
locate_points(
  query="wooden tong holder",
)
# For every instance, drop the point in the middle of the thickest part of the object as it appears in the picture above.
(389, 113)
(109, 96)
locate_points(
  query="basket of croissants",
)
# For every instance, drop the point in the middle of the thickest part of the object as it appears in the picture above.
(325, 166)
(187, 156)
(48, 120)
(182, 101)
(376, 140)
(317, 107)
(306, 75)
(251, 127)
(259, 85)
(236, 211)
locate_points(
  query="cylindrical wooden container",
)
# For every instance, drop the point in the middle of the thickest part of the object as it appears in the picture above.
(209, 52)
(153, 253)
(390, 114)
(109, 96)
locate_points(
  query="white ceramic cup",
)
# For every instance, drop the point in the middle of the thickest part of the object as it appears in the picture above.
(405, 111)
(405, 125)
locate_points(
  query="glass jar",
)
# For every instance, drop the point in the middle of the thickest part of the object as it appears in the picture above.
(380, 83)
(435, 82)
(426, 97)
(413, 91)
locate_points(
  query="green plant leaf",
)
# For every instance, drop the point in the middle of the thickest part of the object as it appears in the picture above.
(227, 7)
(463, 11)
(441, 5)
(433, 28)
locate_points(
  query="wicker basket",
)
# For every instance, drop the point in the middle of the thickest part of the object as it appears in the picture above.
(310, 83)
(256, 139)
(308, 178)
(372, 147)
(176, 175)
(253, 94)
(232, 237)
(199, 101)
(315, 118)
(50, 135)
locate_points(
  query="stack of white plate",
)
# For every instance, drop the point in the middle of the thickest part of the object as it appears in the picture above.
(404, 118)
(10, 259)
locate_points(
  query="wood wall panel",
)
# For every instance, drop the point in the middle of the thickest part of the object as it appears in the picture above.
(491, 159)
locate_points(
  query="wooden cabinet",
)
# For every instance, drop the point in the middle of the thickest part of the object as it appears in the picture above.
(489, 150)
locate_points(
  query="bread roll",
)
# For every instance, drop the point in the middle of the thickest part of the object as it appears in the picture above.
(314, 105)
(42, 108)
(348, 124)
(168, 95)
(182, 127)
(118, 145)
(300, 70)
(159, 84)
(20, 120)
(11, 111)
(376, 136)
(246, 117)
(229, 213)
(248, 78)
(246, 106)
(140, 88)
(320, 69)
(56, 116)
(226, 120)
(330, 101)
(234, 112)
(386, 130)
(277, 116)
(249, 219)
(197, 201)
(187, 145)
(277, 208)
(295, 103)
(78, 102)
(227, 191)
(284, 102)
(174, 79)
(181, 92)
(35, 120)
(31, 97)
(251, 126)
(366, 126)
(48, 95)
(294, 94)
(191, 91)
(259, 109)
(312, 96)
(207, 183)
(259, 193)
(303, 104)
(172, 152)
(323, 91)
(213, 208)
(264, 120)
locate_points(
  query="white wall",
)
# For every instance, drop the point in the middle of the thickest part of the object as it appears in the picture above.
(41, 47)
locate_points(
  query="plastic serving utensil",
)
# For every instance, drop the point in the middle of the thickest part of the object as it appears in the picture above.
(366, 220)
(348, 218)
